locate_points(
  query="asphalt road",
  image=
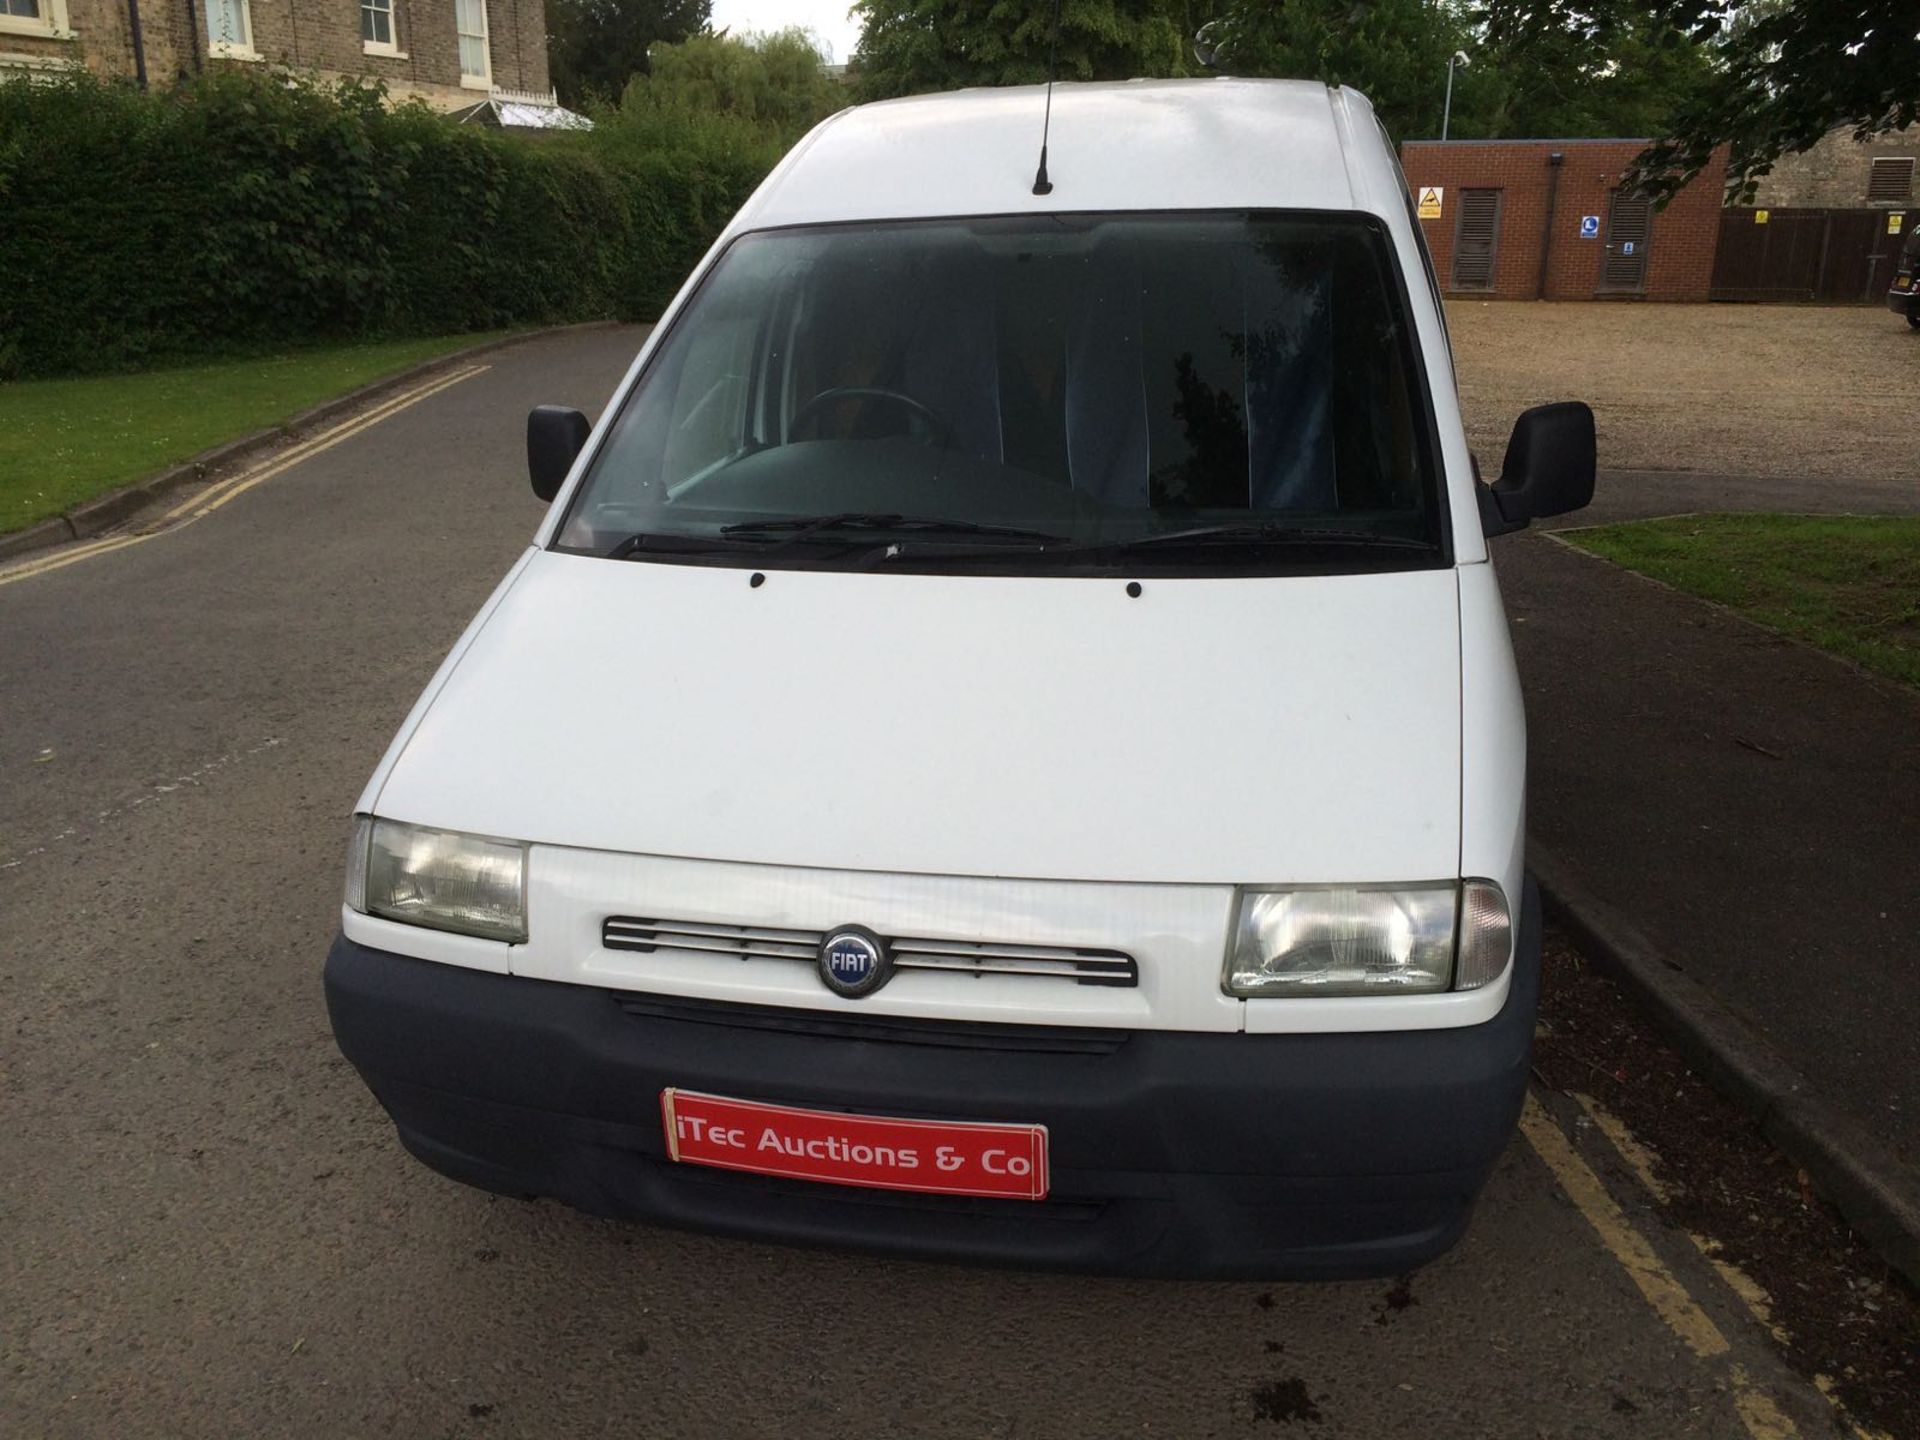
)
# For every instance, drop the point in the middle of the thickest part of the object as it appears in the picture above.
(206, 1225)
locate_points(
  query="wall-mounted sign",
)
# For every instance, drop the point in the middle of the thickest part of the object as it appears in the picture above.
(1626, 247)
(1430, 202)
(1895, 218)
(1589, 227)
(1759, 217)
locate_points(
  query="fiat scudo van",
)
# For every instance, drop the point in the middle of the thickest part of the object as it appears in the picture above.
(1005, 745)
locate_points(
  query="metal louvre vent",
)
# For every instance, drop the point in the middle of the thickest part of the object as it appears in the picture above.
(1629, 231)
(1476, 240)
(1890, 178)
(964, 957)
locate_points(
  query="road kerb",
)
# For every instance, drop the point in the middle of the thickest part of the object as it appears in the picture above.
(1877, 1193)
(47, 533)
(103, 512)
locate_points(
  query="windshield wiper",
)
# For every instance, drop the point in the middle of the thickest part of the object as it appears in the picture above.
(667, 542)
(1271, 533)
(804, 527)
(766, 536)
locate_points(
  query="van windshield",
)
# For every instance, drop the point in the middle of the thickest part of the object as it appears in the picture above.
(1046, 394)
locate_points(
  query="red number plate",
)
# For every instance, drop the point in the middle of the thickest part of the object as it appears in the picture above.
(944, 1157)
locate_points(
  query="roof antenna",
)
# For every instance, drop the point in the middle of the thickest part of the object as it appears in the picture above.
(1041, 184)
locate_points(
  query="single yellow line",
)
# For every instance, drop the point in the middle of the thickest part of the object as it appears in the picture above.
(1763, 1418)
(1670, 1299)
(1631, 1150)
(1824, 1384)
(210, 500)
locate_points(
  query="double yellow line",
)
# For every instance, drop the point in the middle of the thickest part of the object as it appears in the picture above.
(199, 506)
(1760, 1415)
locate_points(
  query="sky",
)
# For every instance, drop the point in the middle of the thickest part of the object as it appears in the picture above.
(827, 19)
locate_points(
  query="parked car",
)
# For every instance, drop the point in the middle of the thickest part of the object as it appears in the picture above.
(1903, 298)
(1006, 744)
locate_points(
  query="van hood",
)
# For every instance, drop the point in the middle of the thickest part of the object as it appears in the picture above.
(1252, 731)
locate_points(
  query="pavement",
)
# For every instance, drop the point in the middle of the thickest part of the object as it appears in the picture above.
(206, 1224)
(1750, 802)
(1643, 494)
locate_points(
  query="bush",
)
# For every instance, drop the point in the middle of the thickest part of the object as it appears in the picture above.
(242, 210)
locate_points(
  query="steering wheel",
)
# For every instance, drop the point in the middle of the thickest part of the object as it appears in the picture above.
(941, 427)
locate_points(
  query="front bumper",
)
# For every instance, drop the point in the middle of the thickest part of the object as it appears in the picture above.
(1173, 1153)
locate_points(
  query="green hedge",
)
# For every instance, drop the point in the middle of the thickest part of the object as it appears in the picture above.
(242, 210)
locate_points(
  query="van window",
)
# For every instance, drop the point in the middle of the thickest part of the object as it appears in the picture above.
(1099, 380)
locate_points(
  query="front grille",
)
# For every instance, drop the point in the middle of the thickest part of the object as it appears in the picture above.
(876, 1029)
(964, 957)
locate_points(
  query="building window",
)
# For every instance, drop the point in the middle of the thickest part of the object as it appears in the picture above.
(35, 17)
(470, 23)
(1891, 179)
(230, 29)
(376, 27)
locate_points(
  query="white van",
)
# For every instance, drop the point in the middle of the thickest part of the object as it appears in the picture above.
(1006, 744)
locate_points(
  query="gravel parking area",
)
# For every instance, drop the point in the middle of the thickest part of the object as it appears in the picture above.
(1713, 389)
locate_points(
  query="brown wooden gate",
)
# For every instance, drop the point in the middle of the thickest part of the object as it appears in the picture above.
(1831, 257)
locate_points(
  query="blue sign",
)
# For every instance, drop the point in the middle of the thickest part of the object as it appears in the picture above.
(1589, 227)
(1626, 247)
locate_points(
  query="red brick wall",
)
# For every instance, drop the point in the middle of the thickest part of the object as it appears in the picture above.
(1682, 238)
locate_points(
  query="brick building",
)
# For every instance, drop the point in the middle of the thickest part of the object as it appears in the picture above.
(1547, 219)
(450, 53)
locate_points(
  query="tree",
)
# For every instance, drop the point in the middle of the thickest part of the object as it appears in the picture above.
(909, 47)
(1539, 67)
(595, 46)
(1393, 51)
(774, 82)
(1789, 71)
(1577, 67)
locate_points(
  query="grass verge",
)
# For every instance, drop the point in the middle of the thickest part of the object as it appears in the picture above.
(63, 442)
(1849, 584)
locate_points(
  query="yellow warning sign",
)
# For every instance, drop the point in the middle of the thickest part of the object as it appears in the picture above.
(1430, 202)
(1759, 217)
(1894, 220)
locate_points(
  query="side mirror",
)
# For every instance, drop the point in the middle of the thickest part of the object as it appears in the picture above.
(555, 438)
(1206, 45)
(1548, 470)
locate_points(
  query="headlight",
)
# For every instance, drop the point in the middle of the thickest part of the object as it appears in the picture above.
(438, 878)
(1348, 940)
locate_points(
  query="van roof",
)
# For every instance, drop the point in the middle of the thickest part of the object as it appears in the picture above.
(1208, 144)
